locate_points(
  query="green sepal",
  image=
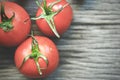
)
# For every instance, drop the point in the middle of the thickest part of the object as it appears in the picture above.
(48, 14)
(35, 55)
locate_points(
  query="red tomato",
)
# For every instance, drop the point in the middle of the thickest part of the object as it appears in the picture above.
(21, 25)
(46, 48)
(62, 19)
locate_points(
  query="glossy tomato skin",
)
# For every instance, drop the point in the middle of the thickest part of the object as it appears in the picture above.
(62, 20)
(47, 48)
(21, 24)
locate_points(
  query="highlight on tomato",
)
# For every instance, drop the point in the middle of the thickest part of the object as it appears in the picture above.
(37, 57)
(15, 24)
(53, 17)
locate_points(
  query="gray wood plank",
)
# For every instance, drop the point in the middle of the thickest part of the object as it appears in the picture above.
(89, 50)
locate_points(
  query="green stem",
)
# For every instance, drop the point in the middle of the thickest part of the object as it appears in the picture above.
(6, 23)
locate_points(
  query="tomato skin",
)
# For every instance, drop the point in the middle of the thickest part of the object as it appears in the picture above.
(47, 48)
(21, 24)
(62, 20)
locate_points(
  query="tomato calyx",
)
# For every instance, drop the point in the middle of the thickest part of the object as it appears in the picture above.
(48, 14)
(6, 23)
(35, 55)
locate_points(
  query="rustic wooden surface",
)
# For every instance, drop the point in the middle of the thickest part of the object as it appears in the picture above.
(89, 50)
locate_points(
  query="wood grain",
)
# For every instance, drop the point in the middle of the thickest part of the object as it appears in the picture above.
(89, 50)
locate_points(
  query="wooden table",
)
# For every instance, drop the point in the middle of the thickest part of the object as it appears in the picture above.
(89, 50)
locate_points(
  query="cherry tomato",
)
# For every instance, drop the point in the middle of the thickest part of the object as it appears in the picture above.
(15, 24)
(37, 60)
(54, 17)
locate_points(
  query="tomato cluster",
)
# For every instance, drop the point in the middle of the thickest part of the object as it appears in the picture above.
(35, 56)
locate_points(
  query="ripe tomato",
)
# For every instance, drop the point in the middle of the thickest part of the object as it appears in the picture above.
(20, 24)
(28, 65)
(54, 17)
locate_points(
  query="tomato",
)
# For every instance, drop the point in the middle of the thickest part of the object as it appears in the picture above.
(16, 31)
(54, 17)
(27, 60)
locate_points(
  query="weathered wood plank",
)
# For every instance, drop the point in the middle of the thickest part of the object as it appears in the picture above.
(89, 50)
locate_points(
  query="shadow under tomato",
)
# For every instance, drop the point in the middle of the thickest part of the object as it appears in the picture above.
(6, 57)
(78, 2)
